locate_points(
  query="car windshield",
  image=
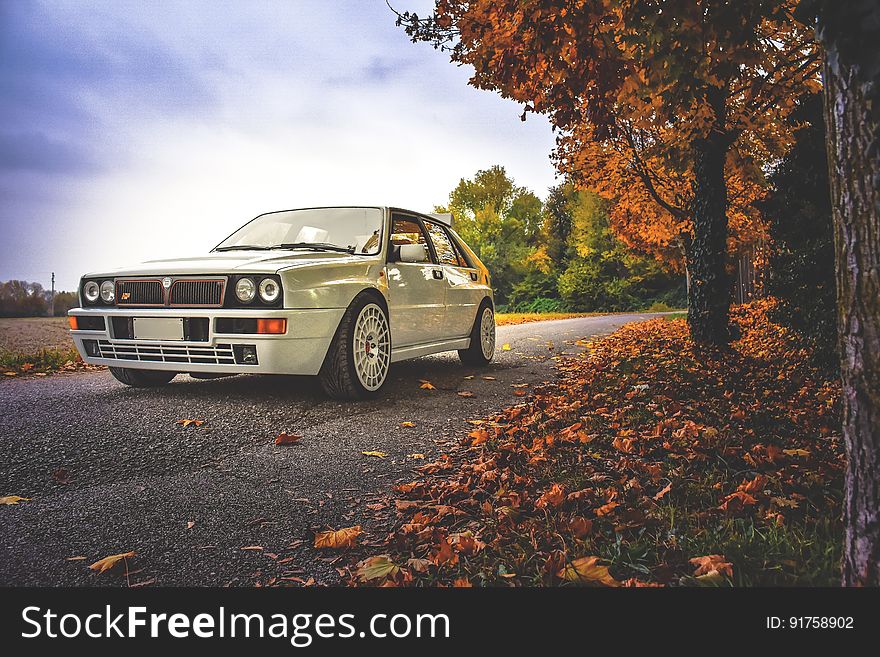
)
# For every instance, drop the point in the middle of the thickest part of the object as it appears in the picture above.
(351, 230)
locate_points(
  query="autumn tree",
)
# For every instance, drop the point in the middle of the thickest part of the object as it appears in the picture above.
(671, 88)
(850, 32)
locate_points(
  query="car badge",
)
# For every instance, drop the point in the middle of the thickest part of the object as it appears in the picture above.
(166, 282)
(126, 296)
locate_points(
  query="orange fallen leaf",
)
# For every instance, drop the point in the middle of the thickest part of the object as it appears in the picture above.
(378, 455)
(711, 563)
(426, 385)
(337, 539)
(587, 570)
(663, 492)
(551, 498)
(408, 425)
(13, 499)
(479, 436)
(253, 548)
(580, 526)
(105, 564)
(186, 423)
(462, 583)
(465, 393)
(287, 439)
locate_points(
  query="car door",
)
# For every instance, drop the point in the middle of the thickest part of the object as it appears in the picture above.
(416, 290)
(462, 295)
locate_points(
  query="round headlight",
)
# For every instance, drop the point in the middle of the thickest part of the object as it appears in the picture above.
(91, 291)
(245, 290)
(269, 290)
(108, 291)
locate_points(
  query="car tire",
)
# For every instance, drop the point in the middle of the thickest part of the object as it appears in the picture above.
(142, 378)
(482, 347)
(357, 362)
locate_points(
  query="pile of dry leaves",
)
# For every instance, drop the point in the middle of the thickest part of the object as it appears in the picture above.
(650, 462)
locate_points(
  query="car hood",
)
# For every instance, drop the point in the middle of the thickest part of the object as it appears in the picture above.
(227, 262)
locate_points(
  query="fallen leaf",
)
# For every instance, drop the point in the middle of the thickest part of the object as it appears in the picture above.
(426, 385)
(796, 452)
(77, 558)
(465, 393)
(711, 563)
(488, 378)
(287, 439)
(587, 570)
(190, 524)
(416, 456)
(378, 455)
(663, 492)
(13, 499)
(378, 567)
(408, 425)
(105, 564)
(253, 548)
(580, 526)
(186, 423)
(505, 347)
(462, 583)
(419, 565)
(337, 539)
(479, 436)
(61, 475)
(551, 498)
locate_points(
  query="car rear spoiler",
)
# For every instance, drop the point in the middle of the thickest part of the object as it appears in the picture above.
(442, 217)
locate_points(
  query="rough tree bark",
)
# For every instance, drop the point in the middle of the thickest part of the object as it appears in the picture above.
(709, 289)
(850, 32)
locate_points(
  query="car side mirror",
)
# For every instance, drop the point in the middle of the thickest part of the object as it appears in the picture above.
(413, 253)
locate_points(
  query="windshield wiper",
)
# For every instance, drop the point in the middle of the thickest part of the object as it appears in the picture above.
(316, 246)
(244, 247)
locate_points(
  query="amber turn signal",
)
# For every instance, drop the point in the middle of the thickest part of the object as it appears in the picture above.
(272, 326)
(72, 321)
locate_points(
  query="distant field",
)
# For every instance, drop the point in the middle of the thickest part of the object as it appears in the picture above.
(27, 335)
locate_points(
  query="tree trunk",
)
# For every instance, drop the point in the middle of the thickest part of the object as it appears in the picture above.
(709, 290)
(852, 96)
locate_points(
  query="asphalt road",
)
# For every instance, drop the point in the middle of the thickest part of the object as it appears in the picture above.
(187, 500)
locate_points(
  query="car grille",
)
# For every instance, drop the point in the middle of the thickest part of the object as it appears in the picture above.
(145, 292)
(220, 354)
(185, 292)
(197, 292)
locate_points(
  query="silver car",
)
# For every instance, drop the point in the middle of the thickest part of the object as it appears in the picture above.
(336, 292)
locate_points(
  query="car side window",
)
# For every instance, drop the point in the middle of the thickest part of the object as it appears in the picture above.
(407, 230)
(446, 251)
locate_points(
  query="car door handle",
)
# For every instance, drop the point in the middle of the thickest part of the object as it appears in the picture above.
(438, 274)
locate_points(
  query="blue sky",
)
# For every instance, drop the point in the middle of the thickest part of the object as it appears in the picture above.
(133, 130)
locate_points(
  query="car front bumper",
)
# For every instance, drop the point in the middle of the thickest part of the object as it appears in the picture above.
(300, 350)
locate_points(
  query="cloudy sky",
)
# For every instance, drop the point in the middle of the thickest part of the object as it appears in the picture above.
(133, 130)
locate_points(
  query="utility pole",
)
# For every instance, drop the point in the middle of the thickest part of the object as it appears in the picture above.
(52, 299)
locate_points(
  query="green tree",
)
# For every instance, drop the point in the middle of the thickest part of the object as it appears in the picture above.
(500, 221)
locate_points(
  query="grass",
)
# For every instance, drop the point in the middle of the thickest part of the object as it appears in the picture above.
(42, 361)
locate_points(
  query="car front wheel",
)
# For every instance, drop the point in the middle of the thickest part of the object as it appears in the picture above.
(142, 378)
(482, 348)
(357, 362)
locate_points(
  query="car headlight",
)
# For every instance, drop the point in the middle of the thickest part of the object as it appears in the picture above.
(108, 291)
(269, 290)
(91, 291)
(245, 290)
